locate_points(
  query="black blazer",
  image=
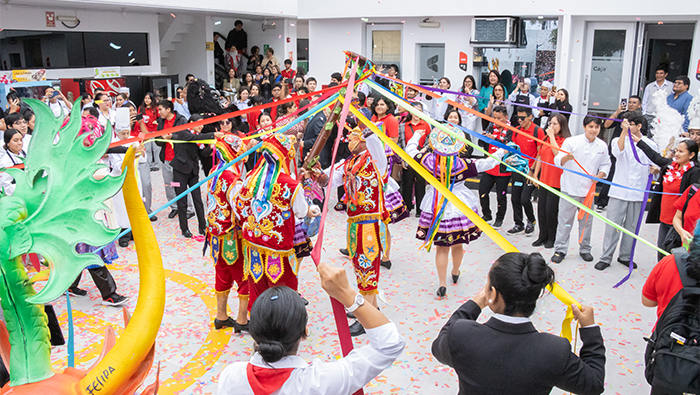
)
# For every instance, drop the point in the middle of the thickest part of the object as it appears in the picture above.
(503, 358)
(186, 158)
(689, 178)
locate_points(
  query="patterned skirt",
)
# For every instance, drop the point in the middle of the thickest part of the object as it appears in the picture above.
(451, 231)
(394, 204)
(108, 254)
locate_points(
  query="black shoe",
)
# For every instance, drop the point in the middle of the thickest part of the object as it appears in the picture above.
(487, 218)
(599, 208)
(538, 243)
(586, 256)
(418, 213)
(154, 218)
(517, 229)
(173, 214)
(455, 278)
(75, 291)
(237, 328)
(356, 329)
(627, 263)
(227, 323)
(123, 242)
(441, 292)
(548, 244)
(386, 264)
(203, 231)
(601, 265)
(187, 234)
(558, 257)
(190, 215)
(345, 251)
(530, 228)
(498, 223)
(114, 300)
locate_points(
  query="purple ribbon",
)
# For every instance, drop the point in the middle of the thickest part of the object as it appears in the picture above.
(641, 214)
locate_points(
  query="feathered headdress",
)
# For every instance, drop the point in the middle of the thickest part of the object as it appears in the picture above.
(694, 113)
(667, 125)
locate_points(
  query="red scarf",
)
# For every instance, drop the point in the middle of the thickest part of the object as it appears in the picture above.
(265, 381)
(675, 172)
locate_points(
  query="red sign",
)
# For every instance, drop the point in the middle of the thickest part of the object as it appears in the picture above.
(697, 74)
(463, 61)
(50, 19)
(109, 86)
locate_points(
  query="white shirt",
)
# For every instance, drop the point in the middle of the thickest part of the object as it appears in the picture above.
(593, 156)
(647, 104)
(9, 159)
(58, 107)
(628, 171)
(341, 377)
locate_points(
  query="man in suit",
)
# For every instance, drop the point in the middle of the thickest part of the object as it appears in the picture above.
(183, 158)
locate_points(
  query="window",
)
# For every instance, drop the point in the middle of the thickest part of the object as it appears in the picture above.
(60, 50)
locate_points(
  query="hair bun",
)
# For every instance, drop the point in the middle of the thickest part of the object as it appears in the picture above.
(536, 271)
(271, 351)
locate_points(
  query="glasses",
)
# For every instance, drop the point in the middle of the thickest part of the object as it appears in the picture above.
(520, 118)
(225, 122)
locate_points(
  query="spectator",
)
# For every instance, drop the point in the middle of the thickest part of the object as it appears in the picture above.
(270, 60)
(247, 81)
(410, 179)
(16, 103)
(543, 103)
(255, 59)
(562, 104)
(521, 192)
(242, 101)
(498, 175)
(121, 98)
(486, 93)
(591, 153)
(149, 111)
(535, 361)
(626, 204)
(218, 51)
(522, 95)
(104, 106)
(468, 100)
(258, 76)
(57, 102)
(311, 84)
(16, 121)
(298, 83)
(278, 324)
(233, 83)
(337, 78)
(661, 84)
(548, 203)
(12, 155)
(498, 98)
(438, 108)
(138, 126)
(680, 99)
(288, 74)
(85, 101)
(237, 37)
(634, 107)
(276, 93)
(677, 174)
(180, 104)
(189, 78)
(31, 121)
(383, 111)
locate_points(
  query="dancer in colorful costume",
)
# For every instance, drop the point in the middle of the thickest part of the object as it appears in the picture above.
(267, 207)
(224, 234)
(363, 177)
(441, 223)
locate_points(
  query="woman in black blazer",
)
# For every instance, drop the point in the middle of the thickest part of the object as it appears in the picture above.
(686, 153)
(507, 355)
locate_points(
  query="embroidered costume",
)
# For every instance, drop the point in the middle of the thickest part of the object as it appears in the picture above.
(267, 207)
(441, 223)
(223, 231)
(392, 194)
(362, 176)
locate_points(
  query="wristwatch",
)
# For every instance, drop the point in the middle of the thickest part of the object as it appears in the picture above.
(359, 301)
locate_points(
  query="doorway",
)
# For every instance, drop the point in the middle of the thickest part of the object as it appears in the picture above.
(384, 44)
(667, 44)
(431, 63)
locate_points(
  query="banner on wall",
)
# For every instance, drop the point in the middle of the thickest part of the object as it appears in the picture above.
(29, 75)
(108, 72)
(463, 61)
(5, 77)
(109, 86)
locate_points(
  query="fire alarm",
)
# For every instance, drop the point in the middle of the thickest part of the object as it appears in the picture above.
(289, 40)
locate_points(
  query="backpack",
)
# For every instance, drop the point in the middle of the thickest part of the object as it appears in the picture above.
(673, 352)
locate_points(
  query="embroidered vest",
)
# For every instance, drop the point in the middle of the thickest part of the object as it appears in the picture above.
(268, 224)
(364, 190)
(220, 216)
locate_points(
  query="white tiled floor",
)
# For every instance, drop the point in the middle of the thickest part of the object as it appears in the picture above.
(407, 299)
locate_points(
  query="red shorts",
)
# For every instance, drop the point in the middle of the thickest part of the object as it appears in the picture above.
(227, 274)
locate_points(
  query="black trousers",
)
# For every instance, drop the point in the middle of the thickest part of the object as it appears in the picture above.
(103, 280)
(412, 180)
(547, 214)
(663, 231)
(485, 185)
(186, 181)
(602, 198)
(521, 192)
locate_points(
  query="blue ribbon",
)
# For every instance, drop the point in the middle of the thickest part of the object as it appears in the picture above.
(71, 338)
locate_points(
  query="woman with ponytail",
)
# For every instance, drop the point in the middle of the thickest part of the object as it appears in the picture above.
(278, 322)
(507, 354)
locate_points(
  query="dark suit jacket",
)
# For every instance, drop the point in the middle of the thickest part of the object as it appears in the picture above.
(690, 177)
(186, 158)
(504, 358)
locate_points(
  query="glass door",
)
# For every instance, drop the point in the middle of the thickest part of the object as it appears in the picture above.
(608, 69)
(384, 45)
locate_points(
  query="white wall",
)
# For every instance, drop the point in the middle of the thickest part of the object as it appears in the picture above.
(191, 55)
(327, 41)
(275, 38)
(30, 18)
(312, 9)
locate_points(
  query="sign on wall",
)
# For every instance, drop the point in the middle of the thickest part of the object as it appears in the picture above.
(108, 72)
(50, 19)
(697, 74)
(463, 61)
(210, 45)
(28, 75)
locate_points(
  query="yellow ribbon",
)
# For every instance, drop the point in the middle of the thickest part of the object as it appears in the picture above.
(496, 237)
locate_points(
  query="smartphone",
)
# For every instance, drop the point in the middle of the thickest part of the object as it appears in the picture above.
(138, 117)
(623, 103)
(55, 93)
